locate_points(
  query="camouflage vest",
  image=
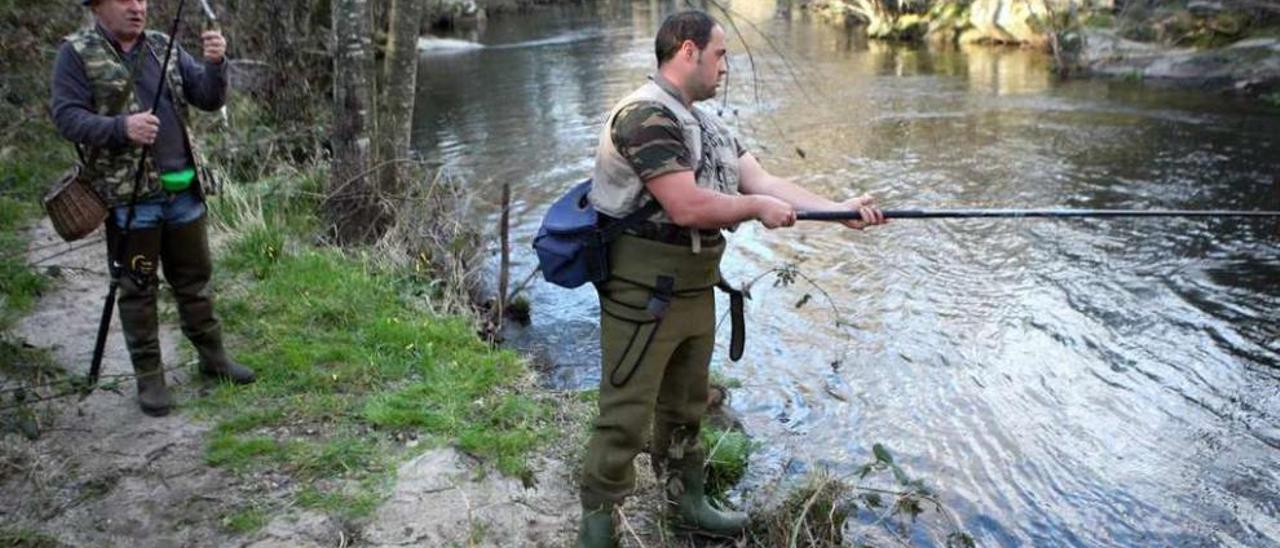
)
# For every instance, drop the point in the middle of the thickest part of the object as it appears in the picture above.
(112, 169)
(616, 190)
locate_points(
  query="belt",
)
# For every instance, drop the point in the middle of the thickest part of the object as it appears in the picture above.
(668, 233)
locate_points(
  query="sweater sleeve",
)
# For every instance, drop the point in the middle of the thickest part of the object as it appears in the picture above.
(203, 83)
(73, 108)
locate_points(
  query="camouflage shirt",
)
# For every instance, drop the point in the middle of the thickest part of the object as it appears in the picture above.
(648, 135)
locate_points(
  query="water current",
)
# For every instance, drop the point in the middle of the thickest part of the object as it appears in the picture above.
(1058, 382)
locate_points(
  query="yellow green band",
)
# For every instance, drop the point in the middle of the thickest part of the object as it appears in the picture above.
(177, 181)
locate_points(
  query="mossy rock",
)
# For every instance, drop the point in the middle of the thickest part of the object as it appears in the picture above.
(910, 27)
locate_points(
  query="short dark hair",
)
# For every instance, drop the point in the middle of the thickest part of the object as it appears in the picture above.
(687, 25)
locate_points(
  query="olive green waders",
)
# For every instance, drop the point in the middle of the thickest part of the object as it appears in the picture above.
(657, 335)
(183, 252)
(138, 321)
(188, 267)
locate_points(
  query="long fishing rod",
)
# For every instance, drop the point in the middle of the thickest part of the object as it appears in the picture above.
(1029, 213)
(122, 237)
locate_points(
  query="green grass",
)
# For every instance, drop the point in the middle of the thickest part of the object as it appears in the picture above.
(241, 452)
(1272, 98)
(26, 168)
(256, 252)
(718, 378)
(247, 519)
(347, 363)
(358, 501)
(26, 538)
(727, 456)
(26, 366)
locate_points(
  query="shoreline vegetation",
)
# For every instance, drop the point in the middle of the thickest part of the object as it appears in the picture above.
(370, 355)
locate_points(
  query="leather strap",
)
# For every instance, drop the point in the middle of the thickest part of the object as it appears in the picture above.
(737, 319)
(660, 301)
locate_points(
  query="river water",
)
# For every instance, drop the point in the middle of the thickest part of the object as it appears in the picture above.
(1058, 382)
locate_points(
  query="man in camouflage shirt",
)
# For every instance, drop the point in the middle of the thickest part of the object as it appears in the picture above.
(657, 321)
(104, 82)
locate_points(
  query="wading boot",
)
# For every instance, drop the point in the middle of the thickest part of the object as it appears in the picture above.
(153, 394)
(214, 362)
(597, 526)
(137, 305)
(187, 267)
(687, 500)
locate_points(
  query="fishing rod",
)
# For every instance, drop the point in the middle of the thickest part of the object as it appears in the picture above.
(1029, 213)
(122, 237)
(210, 15)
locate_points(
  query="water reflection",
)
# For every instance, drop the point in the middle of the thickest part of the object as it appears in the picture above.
(1076, 382)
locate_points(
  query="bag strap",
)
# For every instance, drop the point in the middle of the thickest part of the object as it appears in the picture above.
(79, 153)
(737, 315)
(611, 231)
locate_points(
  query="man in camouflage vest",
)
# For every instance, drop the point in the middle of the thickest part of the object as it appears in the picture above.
(104, 81)
(657, 321)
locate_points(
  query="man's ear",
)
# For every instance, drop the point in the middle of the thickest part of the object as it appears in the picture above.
(688, 48)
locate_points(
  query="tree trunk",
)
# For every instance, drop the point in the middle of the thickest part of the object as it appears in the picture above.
(353, 205)
(399, 82)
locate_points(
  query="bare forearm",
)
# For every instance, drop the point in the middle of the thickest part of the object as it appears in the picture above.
(713, 210)
(794, 194)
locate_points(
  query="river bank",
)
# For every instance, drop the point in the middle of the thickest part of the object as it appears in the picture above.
(1248, 67)
(374, 418)
(999, 361)
(1217, 47)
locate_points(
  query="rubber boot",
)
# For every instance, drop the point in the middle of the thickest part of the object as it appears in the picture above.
(597, 526)
(687, 494)
(137, 304)
(188, 267)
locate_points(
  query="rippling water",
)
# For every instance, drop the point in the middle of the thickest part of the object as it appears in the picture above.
(1059, 382)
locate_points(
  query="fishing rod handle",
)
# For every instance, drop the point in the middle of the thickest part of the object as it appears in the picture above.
(850, 215)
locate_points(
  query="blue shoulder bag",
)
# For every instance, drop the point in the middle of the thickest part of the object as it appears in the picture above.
(572, 248)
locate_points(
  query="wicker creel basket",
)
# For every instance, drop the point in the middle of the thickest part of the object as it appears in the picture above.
(74, 207)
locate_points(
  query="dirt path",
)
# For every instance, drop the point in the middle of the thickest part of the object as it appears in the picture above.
(104, 474)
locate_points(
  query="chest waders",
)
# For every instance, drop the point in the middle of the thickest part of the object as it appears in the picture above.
(657, 336)
(657, 330)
